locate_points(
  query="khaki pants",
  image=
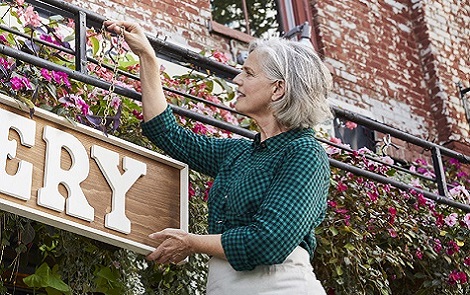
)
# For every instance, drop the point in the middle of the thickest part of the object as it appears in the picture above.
(293, 276)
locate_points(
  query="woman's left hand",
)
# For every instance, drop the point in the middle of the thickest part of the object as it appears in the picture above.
(175, 246)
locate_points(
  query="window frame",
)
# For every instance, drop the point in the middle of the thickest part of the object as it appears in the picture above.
(301, 13)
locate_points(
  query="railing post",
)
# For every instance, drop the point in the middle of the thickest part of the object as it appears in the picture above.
(439, 171)
(80, 42)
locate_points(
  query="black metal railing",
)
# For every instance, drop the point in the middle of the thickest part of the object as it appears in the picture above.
(85, 19)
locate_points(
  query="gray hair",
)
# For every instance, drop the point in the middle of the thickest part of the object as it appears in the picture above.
(307, 81)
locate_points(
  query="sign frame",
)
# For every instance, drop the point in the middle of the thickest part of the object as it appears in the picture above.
(80, 228)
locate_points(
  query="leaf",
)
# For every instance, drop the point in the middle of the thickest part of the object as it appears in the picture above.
(56, 18)
(28, 234)
(333, 230)
(34, 281)
(339, 270)
(349, 246)
(108, 274)
(39, 278)
(95, 44)
(52, 291)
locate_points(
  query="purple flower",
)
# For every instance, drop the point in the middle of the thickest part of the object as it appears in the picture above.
(18, 83)
(4, 63)
(46, 74)
(61, 77)
(454, 162)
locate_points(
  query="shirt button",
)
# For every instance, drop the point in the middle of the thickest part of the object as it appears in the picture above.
(220, 221)
(226, 197)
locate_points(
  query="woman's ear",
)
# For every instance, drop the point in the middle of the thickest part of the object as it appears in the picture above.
(279, 89)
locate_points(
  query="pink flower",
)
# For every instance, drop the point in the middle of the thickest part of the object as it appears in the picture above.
(199, 128)
(332, 204)
(419, 254)
(138, 114)
(208, 188)
(191, 190)
(457, 277)
(19, 2)
(387, 160)
(341, 211)
(439, 219)
(392, 233)
(219, 56)
(335, 140)
(3, 39)
(467, 261)
(437, 245)
(421, 200)
(350, 125)
(373, 196)
(70, 23)
(393, 212)
(452, 248)
(466, 220)
(341, 187)
(31, 17)
(451, 219)
(115, 102)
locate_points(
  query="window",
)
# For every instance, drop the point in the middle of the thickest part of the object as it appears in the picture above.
(245, 19)
(357, 136)
(252, 17)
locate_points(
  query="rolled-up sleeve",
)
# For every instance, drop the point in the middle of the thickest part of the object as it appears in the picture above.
(201, 153)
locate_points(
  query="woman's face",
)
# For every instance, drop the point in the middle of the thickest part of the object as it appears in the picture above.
(255, 90)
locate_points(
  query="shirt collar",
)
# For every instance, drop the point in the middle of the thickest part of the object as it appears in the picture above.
(280, 139)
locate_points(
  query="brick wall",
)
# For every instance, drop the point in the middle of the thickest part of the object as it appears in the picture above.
(446, 62)
(396, 61)
(182, 22)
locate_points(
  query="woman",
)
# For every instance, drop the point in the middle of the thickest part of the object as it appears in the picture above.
(268, 194)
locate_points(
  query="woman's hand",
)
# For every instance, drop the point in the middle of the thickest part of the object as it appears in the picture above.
(133, 34)
(175, 246)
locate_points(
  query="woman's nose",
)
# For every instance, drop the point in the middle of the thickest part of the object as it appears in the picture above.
(237, 79)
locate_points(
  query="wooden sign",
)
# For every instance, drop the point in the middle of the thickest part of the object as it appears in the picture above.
(76, 178)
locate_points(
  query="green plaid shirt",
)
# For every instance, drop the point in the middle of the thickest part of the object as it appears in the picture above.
(267, 197)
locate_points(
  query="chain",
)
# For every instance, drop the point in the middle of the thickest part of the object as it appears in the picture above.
(112, 86)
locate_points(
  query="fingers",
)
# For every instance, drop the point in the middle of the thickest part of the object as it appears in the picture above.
(166, 234)
(173, 247)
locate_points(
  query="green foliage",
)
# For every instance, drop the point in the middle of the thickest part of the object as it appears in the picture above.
(49, 279)
(379, 240)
